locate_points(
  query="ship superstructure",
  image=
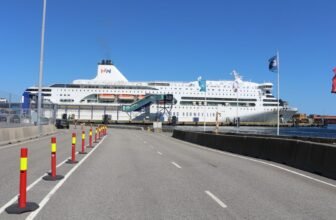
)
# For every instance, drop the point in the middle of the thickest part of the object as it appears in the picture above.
(109, 92)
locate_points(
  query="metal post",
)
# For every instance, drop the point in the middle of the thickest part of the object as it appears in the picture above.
(39, 102)
(237, 114)
(92, 112)
(278, 66)
(117, 114)
(10, 101)
(55, 113)
(205, 106)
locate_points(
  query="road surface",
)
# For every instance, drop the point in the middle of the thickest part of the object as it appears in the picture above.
(134, 174)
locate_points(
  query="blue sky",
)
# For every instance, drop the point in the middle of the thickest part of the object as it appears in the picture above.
(176, 40)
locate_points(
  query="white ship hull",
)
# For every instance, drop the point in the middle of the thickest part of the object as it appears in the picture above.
(87, 114)
(110, 90)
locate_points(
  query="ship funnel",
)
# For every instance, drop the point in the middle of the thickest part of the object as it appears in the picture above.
(106, 62)
(107, 73)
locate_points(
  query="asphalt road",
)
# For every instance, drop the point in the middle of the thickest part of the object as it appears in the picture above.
(134, 174)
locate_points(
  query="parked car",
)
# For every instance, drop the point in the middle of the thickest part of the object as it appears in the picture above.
(62, 123)
(15, 119)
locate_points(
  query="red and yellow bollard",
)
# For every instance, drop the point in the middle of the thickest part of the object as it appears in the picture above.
(52, 176)
(83, 143)
(73, 150)
(23, 205)
(99, 133)
(96, 135)
(53, 156)
(23, 177)
(90, 138)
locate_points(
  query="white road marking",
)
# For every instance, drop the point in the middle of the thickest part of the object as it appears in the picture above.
(175, 164)
(10, 202)
(15, 198)
(262, 162)
(216, 199)
(60, 183)
(159, 152)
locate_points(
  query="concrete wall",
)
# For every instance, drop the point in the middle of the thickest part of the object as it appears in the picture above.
(313, 157)
(12, 135)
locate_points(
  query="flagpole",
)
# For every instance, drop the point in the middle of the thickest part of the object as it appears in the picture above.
(236, 89)
(237, 125)
(204, 123)
(278, 67)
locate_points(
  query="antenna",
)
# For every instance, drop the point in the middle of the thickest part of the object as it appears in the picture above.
(237, 76)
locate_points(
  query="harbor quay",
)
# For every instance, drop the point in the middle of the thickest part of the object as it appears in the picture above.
(167, 110)
(138, 173)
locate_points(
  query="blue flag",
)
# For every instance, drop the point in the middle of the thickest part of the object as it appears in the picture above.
(273, 64)
(201, 84)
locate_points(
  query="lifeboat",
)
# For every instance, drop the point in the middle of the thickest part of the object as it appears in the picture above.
(106, 96)
(141, 97)
(126, 97)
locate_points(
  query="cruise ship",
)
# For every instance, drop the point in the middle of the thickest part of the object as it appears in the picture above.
(111, 95)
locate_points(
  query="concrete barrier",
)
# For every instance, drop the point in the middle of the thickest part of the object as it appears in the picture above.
(130, 127)
(319, 158)
(13, 135)
(30, 132)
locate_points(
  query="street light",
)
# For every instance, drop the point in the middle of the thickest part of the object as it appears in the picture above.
(39, 100)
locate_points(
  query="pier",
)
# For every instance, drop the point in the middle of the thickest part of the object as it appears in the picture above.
(137, 174)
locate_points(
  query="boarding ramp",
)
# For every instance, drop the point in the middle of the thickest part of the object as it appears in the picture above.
(148, 100)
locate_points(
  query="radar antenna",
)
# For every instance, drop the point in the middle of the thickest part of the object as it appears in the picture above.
(237, 76)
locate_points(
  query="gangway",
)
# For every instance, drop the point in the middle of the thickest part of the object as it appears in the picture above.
(148, 100)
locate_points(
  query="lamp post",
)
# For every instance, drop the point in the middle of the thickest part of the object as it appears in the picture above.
(39, 101)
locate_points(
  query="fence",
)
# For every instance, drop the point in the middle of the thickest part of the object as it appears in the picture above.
(12, 115)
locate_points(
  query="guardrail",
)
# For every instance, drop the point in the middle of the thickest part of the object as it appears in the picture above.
(319, 158)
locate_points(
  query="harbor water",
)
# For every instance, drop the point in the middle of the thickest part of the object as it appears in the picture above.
(321, 132)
